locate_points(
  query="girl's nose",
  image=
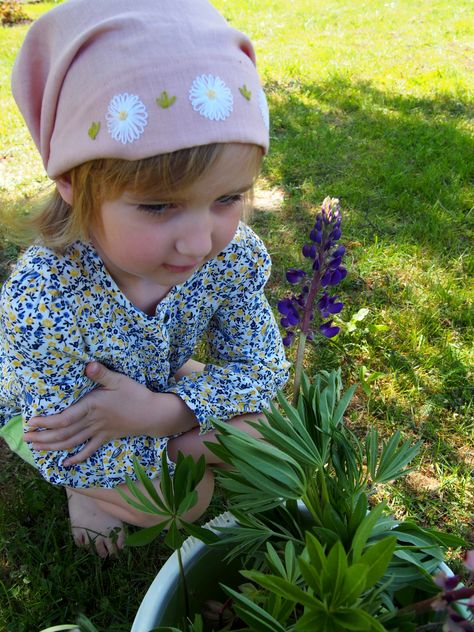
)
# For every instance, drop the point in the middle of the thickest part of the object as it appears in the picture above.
(195, 238)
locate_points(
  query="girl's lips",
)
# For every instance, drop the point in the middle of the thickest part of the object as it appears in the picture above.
(178, 269)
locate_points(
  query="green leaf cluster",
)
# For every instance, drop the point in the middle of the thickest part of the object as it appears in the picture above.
(176, 496)
(321, 555)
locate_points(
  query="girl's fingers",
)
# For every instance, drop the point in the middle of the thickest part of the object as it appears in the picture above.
(54, 435)
(45, 439)
(70, 416)
(85, 453)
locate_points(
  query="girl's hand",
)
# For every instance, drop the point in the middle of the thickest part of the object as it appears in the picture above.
(120, 407)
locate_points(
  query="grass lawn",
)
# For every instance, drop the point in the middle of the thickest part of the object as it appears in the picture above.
(371, 102)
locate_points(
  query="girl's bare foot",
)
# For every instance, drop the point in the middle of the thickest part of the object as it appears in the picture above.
(93, 527)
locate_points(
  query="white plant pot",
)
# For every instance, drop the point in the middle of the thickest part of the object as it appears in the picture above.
(204, 569)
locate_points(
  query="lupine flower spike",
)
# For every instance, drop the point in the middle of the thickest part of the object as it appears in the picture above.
(325, 256)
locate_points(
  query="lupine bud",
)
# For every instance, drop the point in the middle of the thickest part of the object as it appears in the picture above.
(288, 339)
(309, 251)
(316, 235)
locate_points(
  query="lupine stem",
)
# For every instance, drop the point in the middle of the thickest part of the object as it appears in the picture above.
(183, 582)
(449, 597)
(298, 367)
(304, 329)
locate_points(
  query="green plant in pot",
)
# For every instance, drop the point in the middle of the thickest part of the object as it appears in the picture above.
(317, 552)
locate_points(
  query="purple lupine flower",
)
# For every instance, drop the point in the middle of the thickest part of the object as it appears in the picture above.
(447, 582)
(294, 275)
(326, 272)
(329, 330)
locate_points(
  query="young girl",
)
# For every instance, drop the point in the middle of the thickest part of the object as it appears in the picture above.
(150, 118)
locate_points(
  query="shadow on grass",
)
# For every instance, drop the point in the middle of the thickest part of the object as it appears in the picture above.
(401, 165)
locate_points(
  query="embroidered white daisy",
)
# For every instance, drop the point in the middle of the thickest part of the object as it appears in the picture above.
(210, 96)
(126, 118)
(263, 105)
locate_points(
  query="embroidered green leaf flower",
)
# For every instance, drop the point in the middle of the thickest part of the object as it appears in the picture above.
(164, 100)
(94, 130)
(245, 92)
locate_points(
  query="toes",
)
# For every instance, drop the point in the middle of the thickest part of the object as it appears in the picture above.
(79, 538)
(100, 546)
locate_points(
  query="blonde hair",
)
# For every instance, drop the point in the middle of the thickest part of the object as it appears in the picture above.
(58, 224)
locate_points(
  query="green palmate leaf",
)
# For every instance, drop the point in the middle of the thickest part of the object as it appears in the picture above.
(258, 468)
(394, 459)
(355, 581)
(290, 489)
(274, 562)
(288, 470)
(316, 553)
(447, 540)
(282, 587)
(419, 540)
(244, 541)
(332, 521)
(358, 514)
(145, 536)
(174, 538)
(310, 576)
(316, 619)
(182, 475)
(256, 617)
(147, 484)
(383, 527)
(165, 480)
(333, 575)
(377, 558)
(342, 405)
(372, 451)
(60, 628)
(143, 502)
(291, 412)
(249, 500)
(238, 440)
(296, 445)
(188, 474)
(323, 408)
(220, 451)
(431, 535)
(327, 536)
(357, 619)
(187, 503)
(201, 533)
(364, 530)
(291, 565)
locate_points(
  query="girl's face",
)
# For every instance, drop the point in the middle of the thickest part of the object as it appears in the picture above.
(161, 243)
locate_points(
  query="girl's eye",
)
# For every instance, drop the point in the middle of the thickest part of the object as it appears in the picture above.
(155, 209)
(228, 200)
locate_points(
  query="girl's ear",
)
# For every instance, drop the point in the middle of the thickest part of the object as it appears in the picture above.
(64, 186)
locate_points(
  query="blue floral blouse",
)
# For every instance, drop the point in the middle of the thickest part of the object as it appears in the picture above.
(58, 312)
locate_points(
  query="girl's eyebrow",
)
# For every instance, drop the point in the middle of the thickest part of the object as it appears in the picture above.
(244, 188)
(173, 197)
